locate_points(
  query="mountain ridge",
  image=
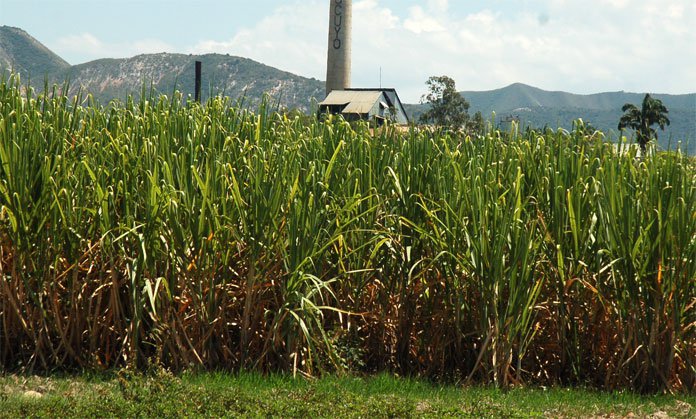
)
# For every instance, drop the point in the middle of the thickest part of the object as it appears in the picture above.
(117, 78)
(231, 75)
(561, 99)
(21, 52)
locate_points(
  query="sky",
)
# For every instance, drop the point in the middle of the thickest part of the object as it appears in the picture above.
(579, 46)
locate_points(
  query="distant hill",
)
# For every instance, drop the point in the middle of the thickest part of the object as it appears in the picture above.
(519, 95)
(233, 76)
(20, 52)
(538, 108)
(108, 79)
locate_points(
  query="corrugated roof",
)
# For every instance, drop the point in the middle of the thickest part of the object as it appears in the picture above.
(356, 101)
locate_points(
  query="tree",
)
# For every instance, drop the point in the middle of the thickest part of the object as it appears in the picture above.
(477, 125)
(641, 120)
(448, 108)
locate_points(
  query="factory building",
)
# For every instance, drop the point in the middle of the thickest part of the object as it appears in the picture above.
(372, 104)
(365, 104)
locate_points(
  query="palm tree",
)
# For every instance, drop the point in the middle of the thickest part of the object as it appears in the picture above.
(641, 120)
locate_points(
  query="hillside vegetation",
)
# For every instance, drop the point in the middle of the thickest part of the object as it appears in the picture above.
(159, 232)
(236, 77)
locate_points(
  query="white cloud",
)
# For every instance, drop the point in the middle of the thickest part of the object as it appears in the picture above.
(580, 46)
(438, 5)
(419, 22)
(288, 38)
(619, 4)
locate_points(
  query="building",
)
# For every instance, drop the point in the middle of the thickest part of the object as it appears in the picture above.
(377, 105)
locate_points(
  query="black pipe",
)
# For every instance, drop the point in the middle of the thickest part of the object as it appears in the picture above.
(198, 81)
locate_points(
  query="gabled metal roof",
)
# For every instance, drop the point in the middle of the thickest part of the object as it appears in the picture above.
(360, 102)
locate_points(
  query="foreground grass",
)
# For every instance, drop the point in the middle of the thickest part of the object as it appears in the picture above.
(165, 395)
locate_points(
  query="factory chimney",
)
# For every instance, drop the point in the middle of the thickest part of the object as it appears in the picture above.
(338, 62)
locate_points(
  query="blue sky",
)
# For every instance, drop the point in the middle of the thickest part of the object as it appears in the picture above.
(581, 46)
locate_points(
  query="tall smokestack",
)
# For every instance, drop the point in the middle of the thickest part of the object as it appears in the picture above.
(338, 63)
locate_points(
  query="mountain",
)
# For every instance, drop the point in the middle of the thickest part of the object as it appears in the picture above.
(108, 79)
(519, 95)
(233, 76)
(538, 108)
(20, 52)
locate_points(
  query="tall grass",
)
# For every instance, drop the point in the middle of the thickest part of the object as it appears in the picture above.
(209, 236)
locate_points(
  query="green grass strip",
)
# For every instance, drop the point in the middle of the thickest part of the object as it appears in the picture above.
(222, 395)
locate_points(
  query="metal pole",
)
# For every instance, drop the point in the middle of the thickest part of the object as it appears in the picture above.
(198, 81)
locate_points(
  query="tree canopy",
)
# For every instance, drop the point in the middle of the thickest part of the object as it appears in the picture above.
(641, 120)
(448, 108)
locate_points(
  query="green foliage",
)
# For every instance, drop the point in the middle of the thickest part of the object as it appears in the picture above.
(477, 125)
(447, 108)
(641, 120)
(166, 233)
